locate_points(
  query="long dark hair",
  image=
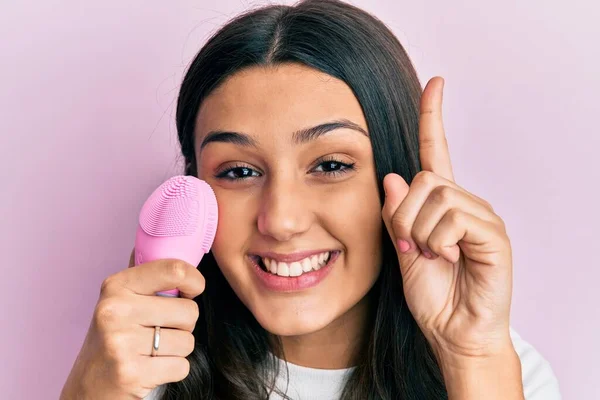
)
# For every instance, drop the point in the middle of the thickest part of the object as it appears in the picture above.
(232, 349)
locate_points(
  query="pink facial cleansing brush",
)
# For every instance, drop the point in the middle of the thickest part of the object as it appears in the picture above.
(179, 220)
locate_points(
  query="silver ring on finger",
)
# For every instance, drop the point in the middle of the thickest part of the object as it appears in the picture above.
(155, 341)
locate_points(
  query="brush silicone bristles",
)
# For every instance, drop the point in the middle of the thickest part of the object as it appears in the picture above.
(179, 220)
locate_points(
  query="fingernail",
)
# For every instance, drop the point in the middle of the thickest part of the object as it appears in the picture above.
(403, 246)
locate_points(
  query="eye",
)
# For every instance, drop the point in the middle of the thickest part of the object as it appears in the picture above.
(329, 167)
(237, 172)
(333, 166)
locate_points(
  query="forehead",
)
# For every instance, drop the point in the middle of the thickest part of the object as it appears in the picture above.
(277, 99)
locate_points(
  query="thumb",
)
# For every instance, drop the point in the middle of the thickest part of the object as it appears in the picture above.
(396, 189)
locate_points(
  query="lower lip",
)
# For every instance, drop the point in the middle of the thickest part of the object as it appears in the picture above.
(307, 280)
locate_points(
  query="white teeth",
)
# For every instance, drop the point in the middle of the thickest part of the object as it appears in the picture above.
(306, 264)
(283, 269)
(273, 267)
(314, 260)
(296, 268)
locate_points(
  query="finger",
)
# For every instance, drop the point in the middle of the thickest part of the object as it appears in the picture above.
(480, 240)
(440, 200)
(420, 189)
(173, 342)
(161, 370)
(159, 275)
(433, 146)
(171, 312)
(396, 190)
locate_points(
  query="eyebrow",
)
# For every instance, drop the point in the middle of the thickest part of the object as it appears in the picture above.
(299, 137)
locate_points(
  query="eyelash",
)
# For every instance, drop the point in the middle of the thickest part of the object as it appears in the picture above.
(345, 168)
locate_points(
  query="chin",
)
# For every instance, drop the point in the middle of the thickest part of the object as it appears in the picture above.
(293, 323)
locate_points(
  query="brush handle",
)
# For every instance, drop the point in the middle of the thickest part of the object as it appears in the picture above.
(151, 248)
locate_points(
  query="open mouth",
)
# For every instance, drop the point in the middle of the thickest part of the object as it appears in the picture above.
(296, 268)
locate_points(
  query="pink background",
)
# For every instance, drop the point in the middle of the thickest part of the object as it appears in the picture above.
(86, 114)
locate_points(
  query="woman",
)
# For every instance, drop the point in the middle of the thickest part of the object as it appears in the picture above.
(344, 246)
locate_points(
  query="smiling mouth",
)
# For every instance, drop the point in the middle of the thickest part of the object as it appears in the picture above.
(296, 268)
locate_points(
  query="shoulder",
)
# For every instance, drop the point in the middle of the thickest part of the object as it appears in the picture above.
(539, 381)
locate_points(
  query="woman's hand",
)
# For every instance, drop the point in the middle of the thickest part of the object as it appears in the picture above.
(454, 253)
(115, 361)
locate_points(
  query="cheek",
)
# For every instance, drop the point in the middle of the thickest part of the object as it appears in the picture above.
(353, 216)
(355, 208)
(234, 227)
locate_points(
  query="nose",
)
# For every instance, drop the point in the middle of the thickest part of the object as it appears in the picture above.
(285, 211)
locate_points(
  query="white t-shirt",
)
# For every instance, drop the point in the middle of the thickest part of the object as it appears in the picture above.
(539, 381)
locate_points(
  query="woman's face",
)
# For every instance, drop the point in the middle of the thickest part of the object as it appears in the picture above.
(299, 229)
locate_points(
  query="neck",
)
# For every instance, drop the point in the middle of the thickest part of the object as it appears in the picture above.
(339, 345)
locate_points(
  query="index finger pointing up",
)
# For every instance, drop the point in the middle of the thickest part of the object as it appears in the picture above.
(434, 153)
